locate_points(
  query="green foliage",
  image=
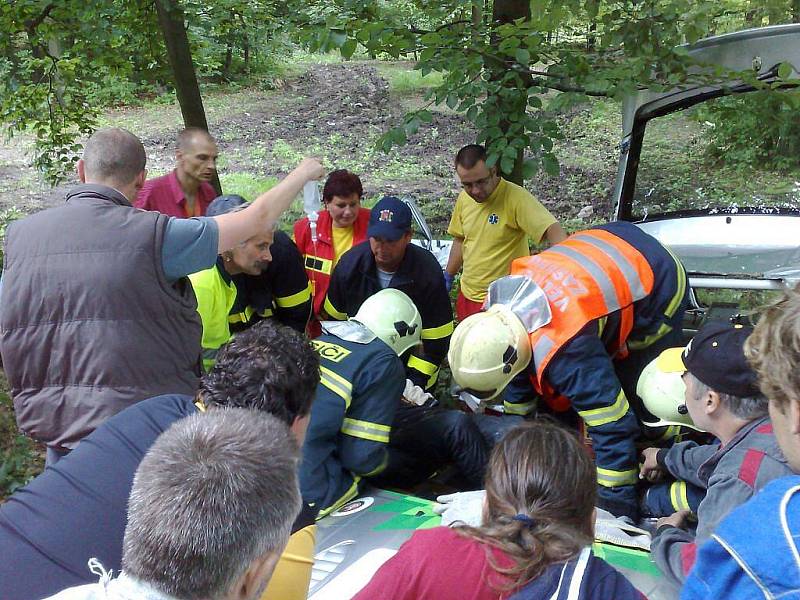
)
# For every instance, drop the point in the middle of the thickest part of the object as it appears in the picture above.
(20, 459)
(6, 216)
(54, 57)
(749, 302)
(501, 75)
(754, 130)
(61, 61)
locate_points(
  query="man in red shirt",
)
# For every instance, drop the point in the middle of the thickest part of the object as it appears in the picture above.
(186, 191)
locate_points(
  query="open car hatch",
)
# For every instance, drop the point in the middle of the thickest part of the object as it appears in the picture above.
(726, 238)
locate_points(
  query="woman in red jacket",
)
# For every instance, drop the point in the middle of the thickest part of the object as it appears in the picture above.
(534, 540)
(342, 225)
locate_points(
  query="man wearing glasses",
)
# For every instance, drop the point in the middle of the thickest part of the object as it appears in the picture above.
(491, 224)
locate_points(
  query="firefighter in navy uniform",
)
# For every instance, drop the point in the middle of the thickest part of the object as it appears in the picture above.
(583, 318)
(260, 278)
(361, 382)
(389, 260)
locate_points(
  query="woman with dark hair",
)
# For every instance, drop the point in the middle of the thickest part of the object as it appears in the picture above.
(342, 225)
(535, 537)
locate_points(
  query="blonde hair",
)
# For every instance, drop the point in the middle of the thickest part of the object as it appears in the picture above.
(540, 497)
(773, 350)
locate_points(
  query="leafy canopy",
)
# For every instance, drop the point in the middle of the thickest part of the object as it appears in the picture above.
(510, 78)
(61, 61)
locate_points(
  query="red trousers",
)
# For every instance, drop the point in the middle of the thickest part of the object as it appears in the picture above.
(466, 307)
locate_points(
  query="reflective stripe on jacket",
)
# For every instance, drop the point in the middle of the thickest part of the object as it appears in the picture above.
(591, 274)
(282, 290)
(228, 304)
(356, 400)
(318, 259)
(579, 363)
(419, 275)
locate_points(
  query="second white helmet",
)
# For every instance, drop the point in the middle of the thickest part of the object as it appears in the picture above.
(487, 350)
(392, 316)
(661, 388)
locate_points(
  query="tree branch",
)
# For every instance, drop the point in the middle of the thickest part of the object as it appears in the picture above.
(33, 24)
(563, 87)
(418, 31)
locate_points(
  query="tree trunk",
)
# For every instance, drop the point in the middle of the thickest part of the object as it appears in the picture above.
(226, 67)
(795, 11)
(171, 19)
(507, 11)
(592, 8)
(477, 17)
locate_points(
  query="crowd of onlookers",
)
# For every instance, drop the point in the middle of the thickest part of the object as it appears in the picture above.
(208, 387)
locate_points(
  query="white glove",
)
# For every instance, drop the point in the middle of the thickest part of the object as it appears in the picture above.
(415, 394)
(465, 507)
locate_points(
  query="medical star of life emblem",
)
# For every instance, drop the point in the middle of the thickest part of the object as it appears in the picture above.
(494, 219)
(386, 216)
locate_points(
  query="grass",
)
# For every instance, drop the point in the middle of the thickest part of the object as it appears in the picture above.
(405, 81)
(162, 113)
(247, 185)
(21, 458)
(300, 60)
(591, 134)
(673, 164)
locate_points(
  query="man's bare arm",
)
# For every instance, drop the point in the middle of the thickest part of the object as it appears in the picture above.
(555, 233)
(264, 211)
(456, 258)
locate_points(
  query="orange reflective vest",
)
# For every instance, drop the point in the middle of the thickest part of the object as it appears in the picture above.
(588, 276)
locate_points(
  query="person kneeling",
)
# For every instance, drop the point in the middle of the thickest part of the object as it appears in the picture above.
(722, 397)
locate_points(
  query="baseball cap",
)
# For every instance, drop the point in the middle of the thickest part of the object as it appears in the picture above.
(390, 218)
(224, 204)
(716, 357)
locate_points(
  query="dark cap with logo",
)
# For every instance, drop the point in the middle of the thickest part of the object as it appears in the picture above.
(390, 219)
(716, 357)
(224, 204)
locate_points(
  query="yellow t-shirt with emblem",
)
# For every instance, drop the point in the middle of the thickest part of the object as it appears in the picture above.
(496, 232)
(342, 242)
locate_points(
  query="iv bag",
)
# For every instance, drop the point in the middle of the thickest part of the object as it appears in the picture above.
(311, 200)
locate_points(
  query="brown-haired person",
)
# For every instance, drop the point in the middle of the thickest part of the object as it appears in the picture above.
(534, 540)
(492, 221)
(342, 225)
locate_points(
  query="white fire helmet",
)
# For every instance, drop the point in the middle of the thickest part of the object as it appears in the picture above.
(392, 316)
(487, 350)
(663, 392)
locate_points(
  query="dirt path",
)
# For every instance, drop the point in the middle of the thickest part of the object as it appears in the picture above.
(335, 111)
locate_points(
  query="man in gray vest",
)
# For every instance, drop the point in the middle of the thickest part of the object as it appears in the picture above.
(96, 312)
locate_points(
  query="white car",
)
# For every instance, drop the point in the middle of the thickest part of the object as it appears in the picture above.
(735, 239)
